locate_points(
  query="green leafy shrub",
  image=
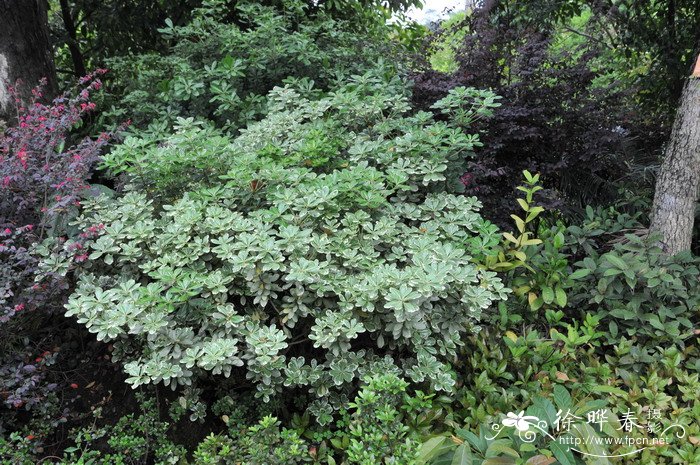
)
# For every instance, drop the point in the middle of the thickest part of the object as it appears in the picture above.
(132, 440)
(260, 444)
(639, 292)
(534, 262)
(487, 447)
(297, 276)
(617, 379)
(377, 430)
(601, 349)
(362, 115)
(381, 426)
(223, 63)
(373, 429)
(157, 165)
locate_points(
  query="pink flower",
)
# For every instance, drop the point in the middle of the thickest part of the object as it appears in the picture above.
(22, 155)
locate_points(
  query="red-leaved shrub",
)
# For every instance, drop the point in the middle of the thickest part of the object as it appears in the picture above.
(44, 175)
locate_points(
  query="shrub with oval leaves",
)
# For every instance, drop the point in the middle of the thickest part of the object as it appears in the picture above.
(294, 274)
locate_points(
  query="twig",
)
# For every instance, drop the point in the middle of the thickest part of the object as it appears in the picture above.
(588, 36)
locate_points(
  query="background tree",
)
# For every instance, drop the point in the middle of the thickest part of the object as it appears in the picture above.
(87, 32)
(659, 36)
(25, 53)
(565, 111)
(673, 212)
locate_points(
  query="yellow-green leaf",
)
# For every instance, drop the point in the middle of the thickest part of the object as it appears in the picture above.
(519, 223)
(547, 294)
(533, 213)
(510, 237)
(560, 296)
(531, 297)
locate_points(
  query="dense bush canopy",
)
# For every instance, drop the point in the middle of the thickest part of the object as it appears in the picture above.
(329, 244)
(339, 237)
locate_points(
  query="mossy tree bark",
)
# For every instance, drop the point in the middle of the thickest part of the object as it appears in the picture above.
(678, 184)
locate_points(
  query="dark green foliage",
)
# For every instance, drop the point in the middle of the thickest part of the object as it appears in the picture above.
(288, 247)
(372, 431)
(623, 342)
(260, 444)
(638, 292)
(377, 422)
(86, 33)
(220, 70)
(661, 35)
(133, 440)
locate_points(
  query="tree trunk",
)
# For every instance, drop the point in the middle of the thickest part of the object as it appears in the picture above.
(25, 53)
(73, 46)
(677, 186)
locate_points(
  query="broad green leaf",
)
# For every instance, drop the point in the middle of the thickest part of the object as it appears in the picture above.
(616, 261)
(431, 449)
(537, 303)
(501, 447)
(532, 214)
(499, 461)
(562, 398)
(510, 237)
(558, 240)
(462, 456)
(608, 389)
(519, 223)
(562, 453)
(560, 296)
(547, 294)
(578, 274)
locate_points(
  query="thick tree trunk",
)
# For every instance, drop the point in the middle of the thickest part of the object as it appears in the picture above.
(678, 183)
(25, 52)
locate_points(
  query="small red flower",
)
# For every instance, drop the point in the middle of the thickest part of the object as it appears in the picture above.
(74, 386)
(31, 437)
